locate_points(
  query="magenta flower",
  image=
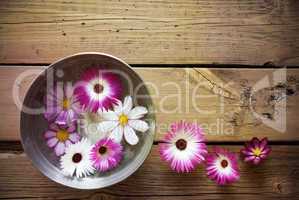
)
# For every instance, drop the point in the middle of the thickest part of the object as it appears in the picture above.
(98, 89)
(222, 166)
(256, 151)
(61, 106)
(106, 154)
(183, 147)
(59, 138)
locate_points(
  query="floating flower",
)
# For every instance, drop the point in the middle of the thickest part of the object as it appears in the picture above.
(98, 89)
(60, 137)
(106, 154)
(124, 121)
(256, 150)
(183, 147)
(76, 161)
(222, 166)
(61, 106)
(89, 127)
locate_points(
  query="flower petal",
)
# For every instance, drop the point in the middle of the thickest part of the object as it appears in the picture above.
(255, 142)
(128, 104)
(68, 143)
(139, 125)
(59, 149)
(267, 151)
(68, 90)
(257, 160)
(52, 110)
(249, 158)
(74, 137)
(72, 128)
(107, 126)
(52, 142)
(62, 118)
(118, 108)
(246, 152)
(54, 127)
(76, 106)
(72, 115)
(263, 143)
(109, 115)
(50, 134)
(137, 112)
(117, 134)
(130, 135)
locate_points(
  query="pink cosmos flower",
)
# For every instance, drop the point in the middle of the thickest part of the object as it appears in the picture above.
(60, 137)
(183, 147)
(106, 154)
(98, 89)
(61, 106)
(256, 151)
(222, 166)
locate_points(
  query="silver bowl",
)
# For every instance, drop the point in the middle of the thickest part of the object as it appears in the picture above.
(33, 124)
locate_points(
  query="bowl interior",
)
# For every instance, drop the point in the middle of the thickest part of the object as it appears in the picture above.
(33, 124)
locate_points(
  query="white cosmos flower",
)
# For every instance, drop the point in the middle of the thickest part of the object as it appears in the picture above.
(76, 160)
(124, 121)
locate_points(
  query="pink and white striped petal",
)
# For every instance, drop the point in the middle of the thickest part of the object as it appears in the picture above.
(106, 154)
(222, 166)
(98, 89)
(183, 147)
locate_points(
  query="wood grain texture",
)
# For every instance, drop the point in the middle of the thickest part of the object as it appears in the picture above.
(218, 99)
(151, 31)
(277, 178)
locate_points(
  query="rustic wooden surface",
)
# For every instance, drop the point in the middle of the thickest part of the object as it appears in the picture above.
(33, 34)
(226, 105)
(154, 180)
(151, 31)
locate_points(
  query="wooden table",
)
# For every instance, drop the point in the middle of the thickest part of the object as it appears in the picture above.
(186, 42)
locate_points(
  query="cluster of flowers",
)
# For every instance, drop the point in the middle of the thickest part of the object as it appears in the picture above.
(184, 149)
(98, 91)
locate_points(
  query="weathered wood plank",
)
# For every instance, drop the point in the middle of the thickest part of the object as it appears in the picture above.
(177, 31)
(218, 99)
(277, 178)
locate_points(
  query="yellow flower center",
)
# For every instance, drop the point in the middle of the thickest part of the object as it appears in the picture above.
(62, 135)
(257, 152)
(123, 119)
(66, 104)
